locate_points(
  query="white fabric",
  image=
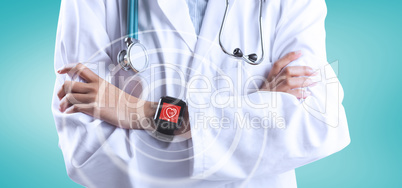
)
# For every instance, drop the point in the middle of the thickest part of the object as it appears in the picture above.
(97, 154)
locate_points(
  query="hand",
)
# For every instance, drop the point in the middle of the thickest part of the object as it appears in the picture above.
(290, 79)
(100, 99)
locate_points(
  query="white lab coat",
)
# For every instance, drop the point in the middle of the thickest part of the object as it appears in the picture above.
(97, 154)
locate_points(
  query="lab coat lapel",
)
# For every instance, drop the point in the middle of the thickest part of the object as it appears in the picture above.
(178, 15)
(211, 26)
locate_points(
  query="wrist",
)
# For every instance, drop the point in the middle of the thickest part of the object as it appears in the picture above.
(150, 109)
(139, 113)
(149, 113)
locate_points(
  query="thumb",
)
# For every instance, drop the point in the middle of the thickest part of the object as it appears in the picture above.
(78, 69)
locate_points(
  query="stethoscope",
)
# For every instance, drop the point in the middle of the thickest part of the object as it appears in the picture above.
(136, 52)
(237, 52)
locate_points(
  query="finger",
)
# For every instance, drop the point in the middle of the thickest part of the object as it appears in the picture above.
(74, 98)
(281, 63)
(299, 93)
(294, 83)
(66, 68)
(73, 87)
(279, 79)
(80, 70)
(295, 71)
(84, 108)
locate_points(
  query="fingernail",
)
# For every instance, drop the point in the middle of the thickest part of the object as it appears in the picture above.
(60, 69)
(299, 52)
(310, 71)
(314, 73)
(313, 84)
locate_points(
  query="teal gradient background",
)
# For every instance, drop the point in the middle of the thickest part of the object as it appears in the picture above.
(365, 36)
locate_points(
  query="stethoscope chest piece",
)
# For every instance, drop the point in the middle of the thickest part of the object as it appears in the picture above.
(135, 57)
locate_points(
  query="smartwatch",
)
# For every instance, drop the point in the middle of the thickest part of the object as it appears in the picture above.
(168, 117)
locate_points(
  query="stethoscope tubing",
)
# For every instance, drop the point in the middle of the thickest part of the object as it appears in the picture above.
(132, 19)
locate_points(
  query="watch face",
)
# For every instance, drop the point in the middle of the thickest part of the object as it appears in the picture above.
(170, 112)
(169, 115)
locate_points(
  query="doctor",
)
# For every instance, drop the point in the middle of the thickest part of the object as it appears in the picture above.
(243, 125)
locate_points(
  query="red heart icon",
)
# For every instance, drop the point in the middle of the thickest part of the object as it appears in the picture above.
(171, 112)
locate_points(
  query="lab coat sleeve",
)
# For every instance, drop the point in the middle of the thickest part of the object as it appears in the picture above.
(92, 149)
(269, 133)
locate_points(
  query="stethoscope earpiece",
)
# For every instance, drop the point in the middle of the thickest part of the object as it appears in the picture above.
(237, 52)
(253, 57)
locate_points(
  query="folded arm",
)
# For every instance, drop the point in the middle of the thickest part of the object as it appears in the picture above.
(86, 142)
(272, 132)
